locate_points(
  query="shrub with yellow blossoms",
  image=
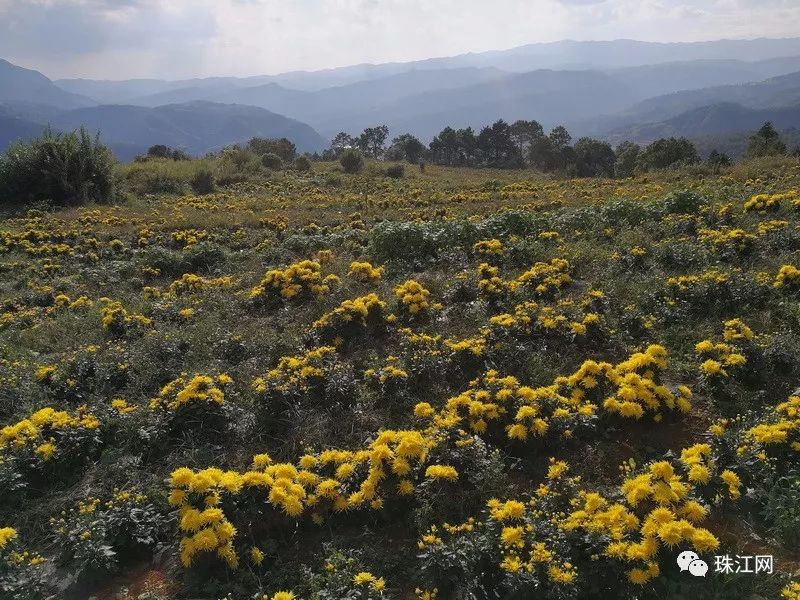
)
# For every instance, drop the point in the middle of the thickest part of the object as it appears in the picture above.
(727, 242)
(118, 321)
(545, 278)
(769, 202)
(304, 378)
(489, 248)
(331, 481)
(722, 359)
(22, 576)
(788, 277)
(191, 283)
(298, 282)
(92, 534)
(413, 298)
(48, 444)
(630, 389)
(345, 575)
(364, 271)
(351, 319)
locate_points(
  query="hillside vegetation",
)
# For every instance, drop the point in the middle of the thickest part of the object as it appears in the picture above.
(452, 383)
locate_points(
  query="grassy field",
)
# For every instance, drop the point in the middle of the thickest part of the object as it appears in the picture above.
(458, 384)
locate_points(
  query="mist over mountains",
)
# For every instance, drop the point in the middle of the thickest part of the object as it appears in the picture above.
(616, 90)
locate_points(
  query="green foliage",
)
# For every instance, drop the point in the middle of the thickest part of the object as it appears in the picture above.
(271, 161)
(283, 148)
(667, 153)
(64, 168)
(594, 158)
(203, 182)
(339, 578)
(95, 535)
(302, 164)
(395, 171)
(352, 161)
(627, 155)
(765, 142)
(783, 510)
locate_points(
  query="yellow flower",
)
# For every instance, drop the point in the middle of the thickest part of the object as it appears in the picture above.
(441, 472)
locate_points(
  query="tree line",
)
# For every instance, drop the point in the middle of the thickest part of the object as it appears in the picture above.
(526, 144)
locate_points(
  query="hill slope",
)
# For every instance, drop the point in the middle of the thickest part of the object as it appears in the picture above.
(19, 85)
(196, 127)
(712, 120)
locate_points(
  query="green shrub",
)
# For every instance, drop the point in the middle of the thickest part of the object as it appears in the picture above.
(395, 171)
(146, 181)
(271, 161)
(783, 510)
(352, 161)
(65, 168)
(302, 163)
(203, 182)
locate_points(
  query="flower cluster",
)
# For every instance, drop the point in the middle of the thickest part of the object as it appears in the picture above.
(727, 240)
(489, 248)
(413, 297)
(298, 281)
(545, 278)
(364, 271)
(788, 277)
(117, 320)
(296, 377)
(768, 202)
(187, 392)
(728, 353)
(190, 283)
(351, 317)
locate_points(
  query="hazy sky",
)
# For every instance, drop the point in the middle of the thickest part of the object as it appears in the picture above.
(117, 39)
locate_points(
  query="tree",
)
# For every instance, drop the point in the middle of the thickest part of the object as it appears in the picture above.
(65, 168)
(765, 142)
(594, 158)
(285, 149)
(562, 155)
(454, 147)
(627, 155)
(542, 154)
(407, 147)
(340, 143)
(497, 147)
(667, 153)
(163, 151)
(372, 140)
(352, 161)
(524, 133)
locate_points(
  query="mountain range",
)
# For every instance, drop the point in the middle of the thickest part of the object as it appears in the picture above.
(613, 90)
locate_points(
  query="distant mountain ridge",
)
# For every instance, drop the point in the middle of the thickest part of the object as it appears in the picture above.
(612, 90)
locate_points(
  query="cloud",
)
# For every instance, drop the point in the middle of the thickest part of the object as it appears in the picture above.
(184, 38)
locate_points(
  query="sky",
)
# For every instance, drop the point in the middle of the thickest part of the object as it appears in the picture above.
(172, 39)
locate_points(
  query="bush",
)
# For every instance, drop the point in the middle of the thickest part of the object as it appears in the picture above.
(271, 161)
(203, 182)
(352, 161)
(145, 181)
(65, 168)
(302, 163)
(395, 171)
